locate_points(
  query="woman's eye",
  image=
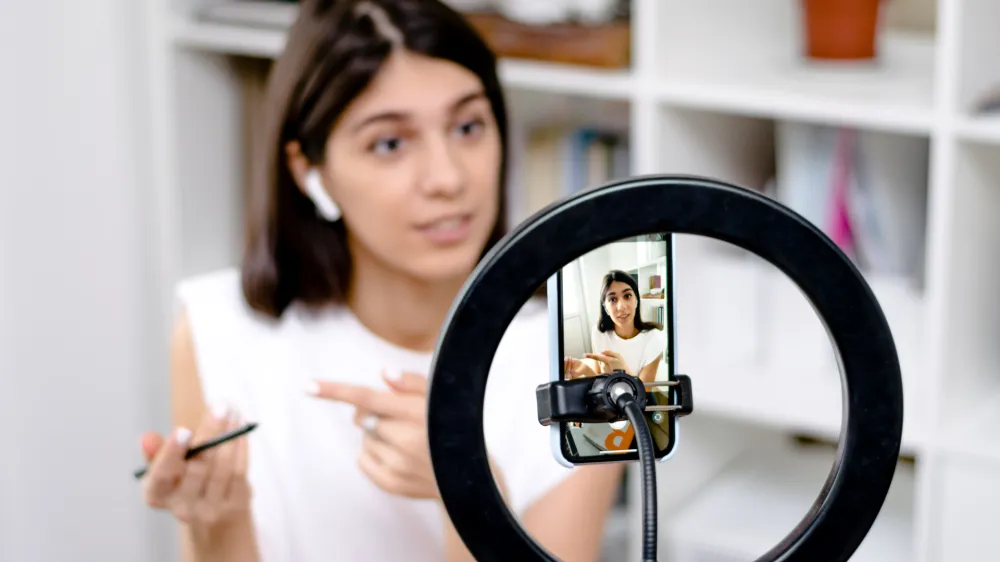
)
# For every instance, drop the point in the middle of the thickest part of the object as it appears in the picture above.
(470, 127)
(386, 145)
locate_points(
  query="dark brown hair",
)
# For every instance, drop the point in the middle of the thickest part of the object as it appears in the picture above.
(334, 50)
(604, 322)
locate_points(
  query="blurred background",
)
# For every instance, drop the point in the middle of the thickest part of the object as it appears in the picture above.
(123, 136)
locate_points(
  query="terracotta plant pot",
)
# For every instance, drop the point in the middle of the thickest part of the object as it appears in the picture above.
(841, 29)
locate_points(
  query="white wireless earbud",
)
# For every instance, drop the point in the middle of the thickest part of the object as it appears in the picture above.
(325, 206)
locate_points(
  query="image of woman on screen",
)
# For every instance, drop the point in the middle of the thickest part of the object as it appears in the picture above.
(621, 339)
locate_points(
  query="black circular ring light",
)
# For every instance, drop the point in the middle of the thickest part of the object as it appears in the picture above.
(509, 274)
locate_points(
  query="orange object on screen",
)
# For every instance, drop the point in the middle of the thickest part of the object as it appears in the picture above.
(624, 436)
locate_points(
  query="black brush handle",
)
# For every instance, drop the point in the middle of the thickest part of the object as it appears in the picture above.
(214, 442)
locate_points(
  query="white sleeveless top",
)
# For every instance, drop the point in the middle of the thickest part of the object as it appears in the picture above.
(637, 352)
(311, 502)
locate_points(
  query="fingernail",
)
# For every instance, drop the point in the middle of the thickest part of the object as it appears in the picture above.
(312, 388)
(392, 375)
(220, 411)
(183, 435)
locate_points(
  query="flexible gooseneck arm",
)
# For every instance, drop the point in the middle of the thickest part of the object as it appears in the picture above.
(629, 406)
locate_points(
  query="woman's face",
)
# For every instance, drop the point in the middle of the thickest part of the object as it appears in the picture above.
(414, 165)
(619, 303)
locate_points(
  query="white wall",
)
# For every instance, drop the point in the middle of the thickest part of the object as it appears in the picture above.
(80, 360)
(917, 15)
(595, 266)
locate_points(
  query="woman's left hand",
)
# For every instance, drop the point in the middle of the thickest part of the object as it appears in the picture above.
(395, 453)
(577, 369)
(612, 359)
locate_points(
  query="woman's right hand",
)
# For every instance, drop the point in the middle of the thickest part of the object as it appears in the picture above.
(206, 491)
(612, 359)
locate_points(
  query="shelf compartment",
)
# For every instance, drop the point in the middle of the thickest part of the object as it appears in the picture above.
(550, 158)
(739, 344)
(893, 172)
(742, 325)
(730, 148)
(764, 494)
(750, 63)
(268, 41)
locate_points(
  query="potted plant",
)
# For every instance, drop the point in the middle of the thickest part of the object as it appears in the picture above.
(841, 29)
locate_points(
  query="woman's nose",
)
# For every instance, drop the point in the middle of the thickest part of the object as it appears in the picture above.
(443, 175)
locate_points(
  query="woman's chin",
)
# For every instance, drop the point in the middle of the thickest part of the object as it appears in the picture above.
(447, 267)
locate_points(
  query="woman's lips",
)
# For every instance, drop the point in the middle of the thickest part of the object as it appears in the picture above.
(449, 230)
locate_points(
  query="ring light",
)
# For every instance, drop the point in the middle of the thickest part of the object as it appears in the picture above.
(871, 430)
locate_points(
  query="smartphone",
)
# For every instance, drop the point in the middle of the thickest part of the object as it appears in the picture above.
(613, 308)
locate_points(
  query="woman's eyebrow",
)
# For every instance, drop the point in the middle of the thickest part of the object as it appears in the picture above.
(467, 99)
(384, 116)
(398, 116)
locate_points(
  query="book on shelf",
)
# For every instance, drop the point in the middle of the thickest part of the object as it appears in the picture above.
(560, 160)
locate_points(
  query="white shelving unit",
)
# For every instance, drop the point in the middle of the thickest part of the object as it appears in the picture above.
(709, 82)
(724, 523)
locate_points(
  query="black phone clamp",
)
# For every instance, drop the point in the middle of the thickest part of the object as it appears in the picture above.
(594, 399)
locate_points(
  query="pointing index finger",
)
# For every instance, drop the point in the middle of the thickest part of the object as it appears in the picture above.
(406, 382)
(378, 402)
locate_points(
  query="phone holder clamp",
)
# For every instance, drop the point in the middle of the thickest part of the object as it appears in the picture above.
(592, 400)
(683, 400)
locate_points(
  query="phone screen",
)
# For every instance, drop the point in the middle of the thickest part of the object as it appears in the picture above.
(615, 311)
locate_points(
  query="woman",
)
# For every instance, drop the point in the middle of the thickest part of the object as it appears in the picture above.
(621, 339)
(379, 187)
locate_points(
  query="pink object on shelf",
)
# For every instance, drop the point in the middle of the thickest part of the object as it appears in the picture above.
(839, 225)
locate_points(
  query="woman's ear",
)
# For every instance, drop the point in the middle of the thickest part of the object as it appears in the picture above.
(298, 164)
(310, 182)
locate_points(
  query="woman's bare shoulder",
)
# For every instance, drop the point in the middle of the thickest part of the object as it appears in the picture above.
(187, 401)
